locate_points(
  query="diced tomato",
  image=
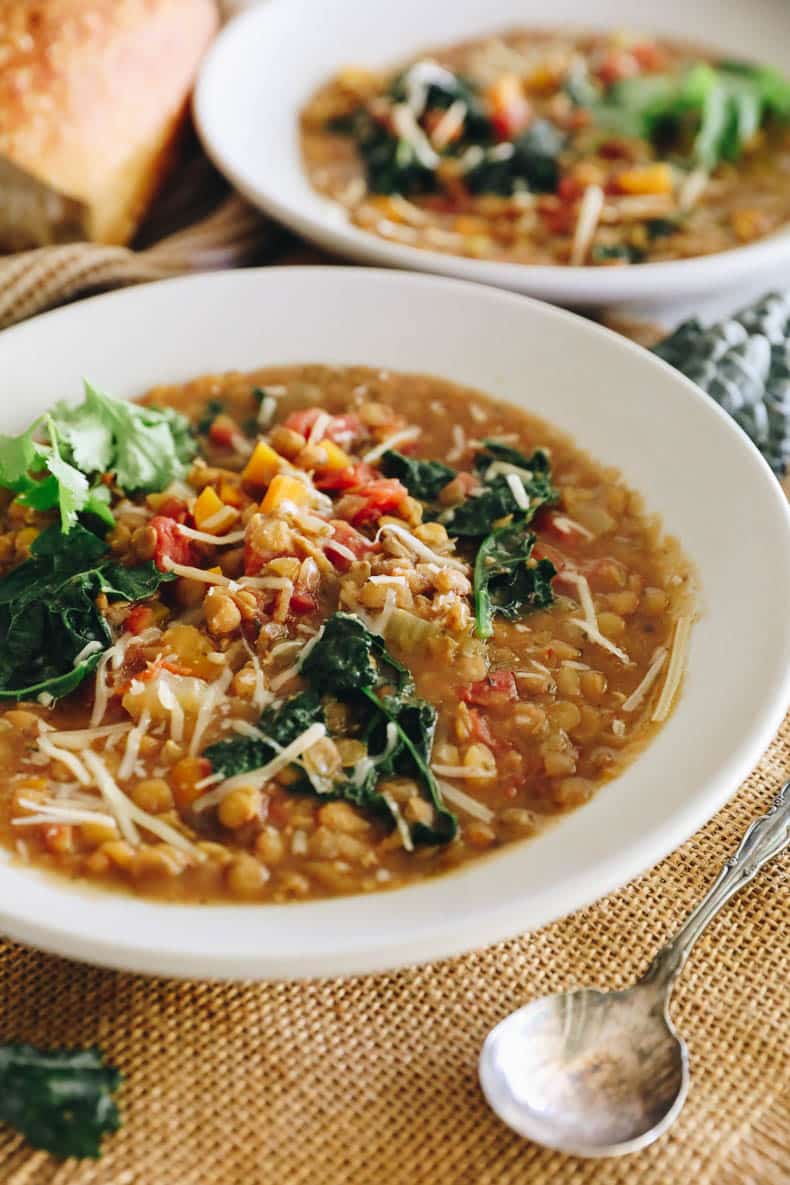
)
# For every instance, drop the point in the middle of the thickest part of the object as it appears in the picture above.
(443, 203)
(545, 551)
(618, 64)
(558, 217)
(650, 57)
(302, 601)
(616, 149)
(480, 728)
(511, 110)
(347, 537)
(340, 429)
(570, 189)
(345, 479)
(380, 497)
(223, 430)
(170, 543)
(469, 481)
(497, 688)
(139, 619)
(554, 522)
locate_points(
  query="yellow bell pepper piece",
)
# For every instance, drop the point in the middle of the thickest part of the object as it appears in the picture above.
(335, 457)
(231, 492)
(285, 489)
(207, 505)
(646, 179)
(263, 465)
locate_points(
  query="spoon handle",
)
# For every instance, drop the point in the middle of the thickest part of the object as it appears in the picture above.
(765, 838)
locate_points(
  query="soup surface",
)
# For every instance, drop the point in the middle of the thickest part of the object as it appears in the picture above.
(376, 626)
(557, 148)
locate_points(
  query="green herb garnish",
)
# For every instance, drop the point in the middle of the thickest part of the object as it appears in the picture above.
(60, 1100)
(705, 114)
(145, 448)
(52, 634)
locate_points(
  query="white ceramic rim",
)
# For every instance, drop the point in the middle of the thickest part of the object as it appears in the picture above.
(486, 901)
(320, 220)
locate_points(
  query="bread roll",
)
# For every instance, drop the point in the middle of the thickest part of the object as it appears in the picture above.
(92, 95)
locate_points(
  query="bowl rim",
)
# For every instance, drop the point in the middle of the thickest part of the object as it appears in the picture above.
(427, 940)
(584, 286)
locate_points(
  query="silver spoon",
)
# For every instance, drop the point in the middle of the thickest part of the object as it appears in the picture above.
(596, 1073)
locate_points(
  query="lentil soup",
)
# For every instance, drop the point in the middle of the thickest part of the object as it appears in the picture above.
(315, 631)
(539, 147)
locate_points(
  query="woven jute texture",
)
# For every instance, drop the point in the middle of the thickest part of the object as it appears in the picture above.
(372, 1081)
(198, 224)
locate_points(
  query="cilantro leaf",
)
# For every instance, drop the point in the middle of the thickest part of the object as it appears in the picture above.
(506, 580)
(48, 612)
(145, 447)
(423, 479)
(60, 1100)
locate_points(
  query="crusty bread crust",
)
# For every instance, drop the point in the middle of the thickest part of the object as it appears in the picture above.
(92, 95)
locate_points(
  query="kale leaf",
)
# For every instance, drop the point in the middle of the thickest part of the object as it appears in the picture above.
(347, 657)
(506, 580)
(282, 725)
(349, 664)
(476, 515)
(534, 163)
(48, 612)
(60, 1100)
(391, 164)
(423, 479)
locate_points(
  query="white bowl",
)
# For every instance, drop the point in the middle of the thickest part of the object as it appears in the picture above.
(265, 65)
(689, 459)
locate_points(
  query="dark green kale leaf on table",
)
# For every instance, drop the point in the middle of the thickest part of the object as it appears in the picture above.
(60, 1100)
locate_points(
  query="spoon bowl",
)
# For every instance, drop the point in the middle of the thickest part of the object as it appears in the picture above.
(587, 1072)
(596, 1073)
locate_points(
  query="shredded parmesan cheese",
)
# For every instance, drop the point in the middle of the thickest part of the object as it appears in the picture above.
(400, 823)
(566, 526)
(586, 224)
(677, 665)
(132, 750)
(216, 540)
(403, 437)
(128, 813)
(450, 124)
(465, 801)
(256, 778)
(197, 573)
(81, 738)
(46, 812)
(517, 490)
(417, 547)
(88, 649)
(459, 444)
(70, 761)
(211, 700)
(590, 622)
(639, 693)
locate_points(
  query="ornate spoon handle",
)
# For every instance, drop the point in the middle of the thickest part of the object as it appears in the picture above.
(764, 839)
